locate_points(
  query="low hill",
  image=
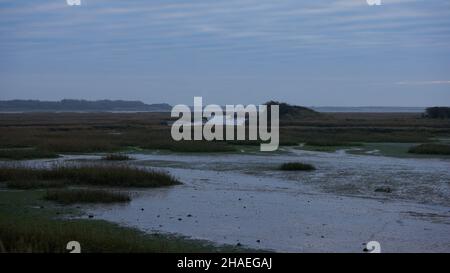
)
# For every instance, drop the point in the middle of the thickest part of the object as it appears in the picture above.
(69, 105)
(293, 112)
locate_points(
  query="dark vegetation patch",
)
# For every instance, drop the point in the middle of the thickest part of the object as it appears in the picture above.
(431, 149)
(27, 184)
(355, 135)
(383, 189)
(113, 176)
(26, 153)
(292, 112)
(438, 112)
(296, 166)
(72, 196)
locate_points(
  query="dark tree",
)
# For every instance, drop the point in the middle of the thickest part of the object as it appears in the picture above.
(292, 111)
(437, 112)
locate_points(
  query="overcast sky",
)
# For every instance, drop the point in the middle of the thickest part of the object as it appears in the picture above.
(313, 52)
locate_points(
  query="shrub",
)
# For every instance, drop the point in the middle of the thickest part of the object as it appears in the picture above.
(296, 166)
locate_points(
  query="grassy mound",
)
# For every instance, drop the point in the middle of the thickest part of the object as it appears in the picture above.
(296, 166)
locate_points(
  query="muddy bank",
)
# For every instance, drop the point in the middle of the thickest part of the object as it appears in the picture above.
(267, 213)
(244, 199)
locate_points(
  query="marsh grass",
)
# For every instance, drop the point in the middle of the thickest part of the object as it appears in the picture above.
(116, 157)
(35, 184)
(25, 228)
(101, 175)
(189, 146)
(431, 149)
(342, 136)
(296, 166)
(26, 153)
(110, 132)
(72, 196)
(51, 236)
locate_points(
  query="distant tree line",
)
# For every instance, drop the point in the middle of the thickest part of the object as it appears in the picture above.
(437, 112)
(80, 105)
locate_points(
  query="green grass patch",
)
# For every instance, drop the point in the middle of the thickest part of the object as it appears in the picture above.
(383, 149)
(72, 196)
(296, 166)
(101, 175)
(343, 136)
(431, 149)
(30, 224)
